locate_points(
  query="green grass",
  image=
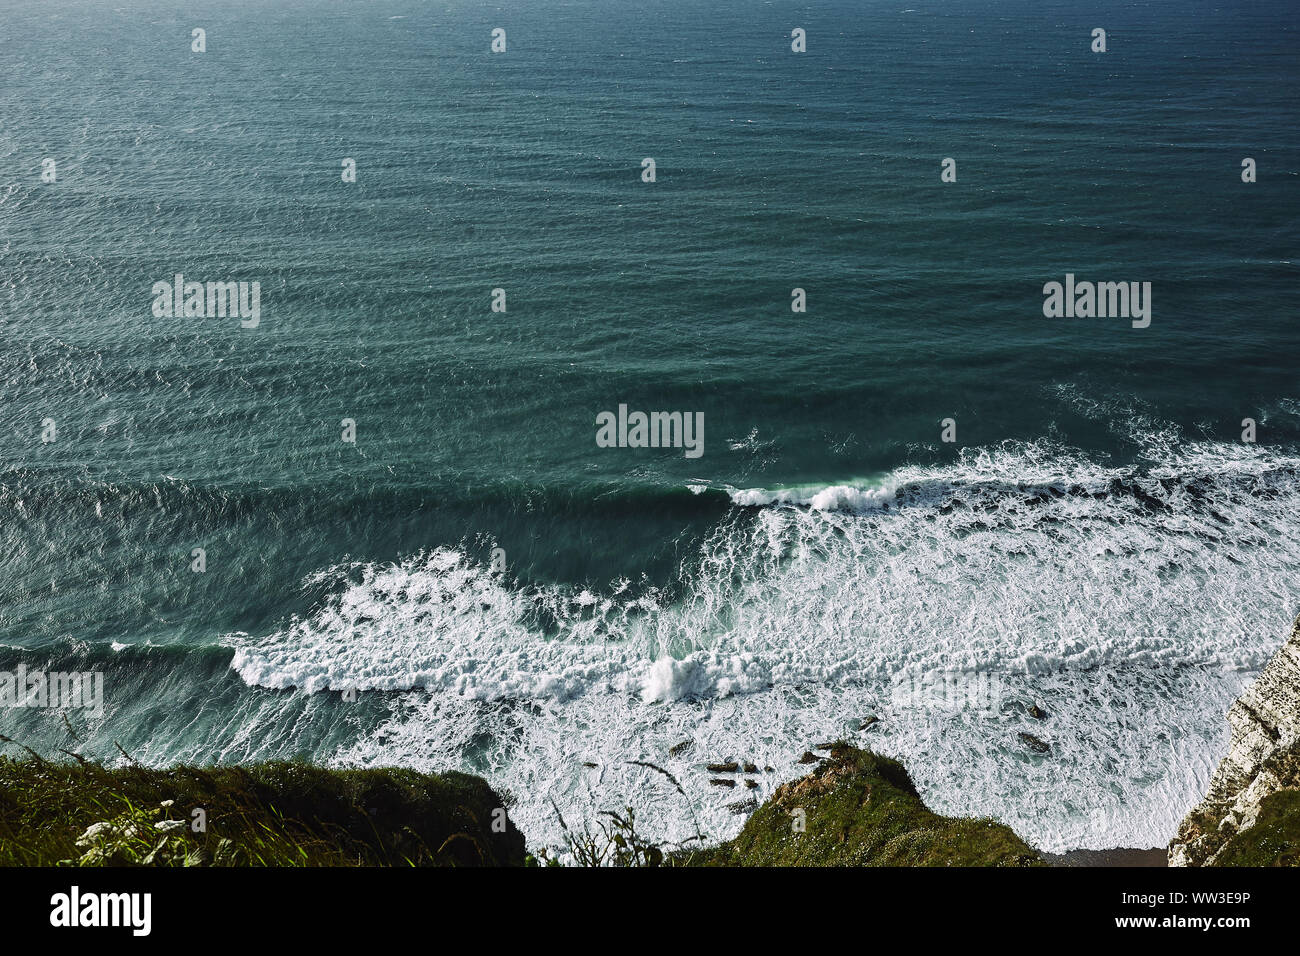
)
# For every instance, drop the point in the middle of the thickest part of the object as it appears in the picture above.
(1274, 840)
(860, 809)
(266, 814)
(1275, 836)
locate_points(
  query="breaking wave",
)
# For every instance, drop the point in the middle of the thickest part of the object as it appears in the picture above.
(1130, 604)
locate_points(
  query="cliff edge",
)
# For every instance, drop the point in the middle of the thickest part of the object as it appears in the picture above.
(1251, 814)
(261, 814)
(860, 809)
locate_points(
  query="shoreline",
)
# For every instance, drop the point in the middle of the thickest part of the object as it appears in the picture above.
(1117, 857)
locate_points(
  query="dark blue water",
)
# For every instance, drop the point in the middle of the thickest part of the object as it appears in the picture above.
(1098, 538)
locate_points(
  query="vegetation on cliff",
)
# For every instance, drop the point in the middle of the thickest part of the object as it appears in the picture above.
(1274, 840)
(860, 809)
(1250, 815)
(266, 814)
(854, 809)
(1258, 826)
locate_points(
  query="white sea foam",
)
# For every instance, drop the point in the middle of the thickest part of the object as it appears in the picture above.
(1131, 603)
(832, 498)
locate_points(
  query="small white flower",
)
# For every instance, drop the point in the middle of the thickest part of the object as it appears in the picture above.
(94, 833)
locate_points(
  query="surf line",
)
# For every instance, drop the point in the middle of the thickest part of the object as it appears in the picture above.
(651, 430)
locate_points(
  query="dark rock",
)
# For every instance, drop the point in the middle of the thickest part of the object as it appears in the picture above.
(1036, 744)
(809, 757)
(718, 782)
(1037, 712)
(730, 767)
(750, 768)
(676, 750)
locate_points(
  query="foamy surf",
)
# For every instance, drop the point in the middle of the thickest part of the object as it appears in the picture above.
(1131, 604)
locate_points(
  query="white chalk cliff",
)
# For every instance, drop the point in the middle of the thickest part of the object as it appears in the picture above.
(1263, 758)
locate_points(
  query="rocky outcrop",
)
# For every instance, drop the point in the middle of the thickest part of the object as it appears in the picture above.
(1251, 786)
(860, 809)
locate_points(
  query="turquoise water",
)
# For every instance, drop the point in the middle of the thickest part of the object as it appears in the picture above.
(1098, 539)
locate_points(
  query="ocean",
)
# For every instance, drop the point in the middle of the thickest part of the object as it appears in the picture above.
(474, 582)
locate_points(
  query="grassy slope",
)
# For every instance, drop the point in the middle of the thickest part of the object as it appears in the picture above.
(283, 814)
(862, 810)
(1274, 840)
